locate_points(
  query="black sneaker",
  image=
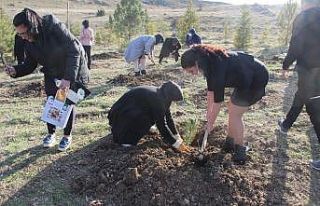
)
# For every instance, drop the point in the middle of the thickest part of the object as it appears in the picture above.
(228, 145)
(137, 74)
(282, 129)
(143, 72)
(240, 156)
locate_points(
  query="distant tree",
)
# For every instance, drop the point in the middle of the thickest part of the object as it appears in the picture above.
(101, 12)
(128, 19)
(265, 36)
(243, 33)
(200, 6)
(285, 21)
(110, 23)
(173, 26)
(188, 20)
(75, 29)
(105, 37)
(150, 26)
(226, 29)
(6, 33)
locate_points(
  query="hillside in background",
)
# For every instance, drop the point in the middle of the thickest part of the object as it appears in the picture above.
(169, 3)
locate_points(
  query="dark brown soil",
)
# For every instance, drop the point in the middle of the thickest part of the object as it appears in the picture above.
(106, 55)
(153, 174)
(164, 177)
(154, 77)
(31, 89)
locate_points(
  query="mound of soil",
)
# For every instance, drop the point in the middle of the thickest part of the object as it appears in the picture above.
(32, 89)
(153, 174)
(106, 55)
(154, 77)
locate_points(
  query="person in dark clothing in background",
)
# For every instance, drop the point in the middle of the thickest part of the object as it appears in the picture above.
(18, 49)
(49, 43)
(192, 38)
(132, 116)
(246, 74)
(171, 46)
(304, 48)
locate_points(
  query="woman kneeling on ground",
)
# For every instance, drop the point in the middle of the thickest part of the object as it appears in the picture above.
(132, 116)
(246, 74)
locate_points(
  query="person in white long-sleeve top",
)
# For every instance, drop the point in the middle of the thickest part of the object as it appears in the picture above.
(139, 48)
(87, 40)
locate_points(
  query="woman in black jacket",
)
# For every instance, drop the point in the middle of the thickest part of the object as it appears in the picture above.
(132, 116)
(247, 75)
(49, 43)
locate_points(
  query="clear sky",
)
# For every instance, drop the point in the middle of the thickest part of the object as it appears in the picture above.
(253, 1)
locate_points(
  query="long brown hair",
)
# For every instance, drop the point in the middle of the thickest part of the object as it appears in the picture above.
(205, 55)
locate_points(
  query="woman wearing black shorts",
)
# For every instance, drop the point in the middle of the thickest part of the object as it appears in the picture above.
(246, 74)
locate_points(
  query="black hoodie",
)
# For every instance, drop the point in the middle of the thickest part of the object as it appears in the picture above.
(152, 103)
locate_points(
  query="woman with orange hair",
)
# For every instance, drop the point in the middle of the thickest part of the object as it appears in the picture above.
(246, 74)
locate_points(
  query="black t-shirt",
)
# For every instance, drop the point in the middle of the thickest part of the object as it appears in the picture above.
(238, 70)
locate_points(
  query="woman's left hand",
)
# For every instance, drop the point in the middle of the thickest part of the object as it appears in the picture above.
(64, 84)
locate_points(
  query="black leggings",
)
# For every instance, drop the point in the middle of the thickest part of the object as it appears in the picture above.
(51, 90)
(87, 49)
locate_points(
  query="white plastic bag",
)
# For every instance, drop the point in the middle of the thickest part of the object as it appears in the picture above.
(56, 110)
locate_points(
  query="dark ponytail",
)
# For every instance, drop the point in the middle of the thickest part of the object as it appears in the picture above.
(29, 18)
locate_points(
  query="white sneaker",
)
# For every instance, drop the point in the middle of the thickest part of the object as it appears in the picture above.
(315, 164)
(282, 129)
(49, 140)
(64, 144)
(126, 145)
(153, 129)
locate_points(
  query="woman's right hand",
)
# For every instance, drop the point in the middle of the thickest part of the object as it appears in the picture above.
(11, 71)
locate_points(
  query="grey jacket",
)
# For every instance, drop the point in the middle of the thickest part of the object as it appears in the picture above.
(139, 46)
(58, 51)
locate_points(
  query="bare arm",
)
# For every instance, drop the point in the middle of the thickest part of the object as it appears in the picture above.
(213, 110)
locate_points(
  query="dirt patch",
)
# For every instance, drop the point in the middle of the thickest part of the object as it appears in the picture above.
(107, 55)
(153, 174)
(154, 77)
(26, 90)
(199, 99)
(95, 114)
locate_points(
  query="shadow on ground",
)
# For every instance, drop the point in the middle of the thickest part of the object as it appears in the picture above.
(277, 187)
(164, 177)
